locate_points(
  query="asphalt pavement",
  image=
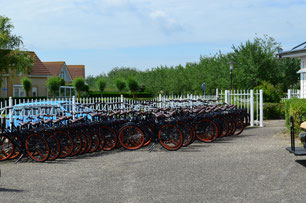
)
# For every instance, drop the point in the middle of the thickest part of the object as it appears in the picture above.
(251, 167)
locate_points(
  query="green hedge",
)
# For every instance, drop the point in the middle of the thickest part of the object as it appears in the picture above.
(273, 111)
(295, 107)
(125, 94)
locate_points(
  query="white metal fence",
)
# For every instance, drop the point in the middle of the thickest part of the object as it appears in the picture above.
(249, 99)
(291, 93)
(252, 100)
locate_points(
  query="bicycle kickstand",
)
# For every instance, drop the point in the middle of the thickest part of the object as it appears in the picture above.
(151, 148)
(19, 158)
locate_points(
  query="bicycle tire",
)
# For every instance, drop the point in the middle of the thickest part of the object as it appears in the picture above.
(6, 147)
(131, 137)
(37, 147)
(170, 137)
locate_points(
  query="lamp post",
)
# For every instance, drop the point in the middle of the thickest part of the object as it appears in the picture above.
(231, 70)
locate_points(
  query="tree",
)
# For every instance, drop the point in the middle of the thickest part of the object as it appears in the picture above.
(12, 59)
(26, 85)
(133, 86)
(120, 84)
(79, 85)
(53, 84)
(101, 83)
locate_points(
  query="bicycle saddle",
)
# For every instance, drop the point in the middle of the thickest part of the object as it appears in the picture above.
(303, 125)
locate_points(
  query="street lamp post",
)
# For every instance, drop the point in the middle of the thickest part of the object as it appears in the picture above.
(231, 69)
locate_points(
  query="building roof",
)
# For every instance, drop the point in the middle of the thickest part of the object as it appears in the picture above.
(38, 67)
(76, 71)
(54, 66)
(302, 70)
(297, 51)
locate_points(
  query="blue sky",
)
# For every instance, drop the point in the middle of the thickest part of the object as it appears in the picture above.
(102, 34)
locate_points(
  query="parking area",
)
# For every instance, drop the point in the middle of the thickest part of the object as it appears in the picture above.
(251, 167)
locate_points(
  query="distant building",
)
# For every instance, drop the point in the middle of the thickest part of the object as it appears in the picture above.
(67, 72)
(11, 86)
(298, 52)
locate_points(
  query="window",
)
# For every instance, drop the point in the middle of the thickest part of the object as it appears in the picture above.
(61, 74)
(18, 91)
(34, 91)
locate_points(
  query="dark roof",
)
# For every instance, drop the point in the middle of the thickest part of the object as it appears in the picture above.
(301, 48)
(38, 67)
(54, 66)
(76, 71)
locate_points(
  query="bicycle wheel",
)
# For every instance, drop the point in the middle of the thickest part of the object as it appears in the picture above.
(131, 137)
(110, 138)
(66, 143)
(239, 126)
(224, 127)
(54, 144)
(186, 131)
(6, 147)
(95, 140)
(77, 143)
(170, 137)
(17, 142)
(37, 147)
(148, 134)
(206, 130)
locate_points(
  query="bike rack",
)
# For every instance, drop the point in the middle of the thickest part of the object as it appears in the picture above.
(297, 151)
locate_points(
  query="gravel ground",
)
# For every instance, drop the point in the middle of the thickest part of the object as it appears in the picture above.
(252, 167)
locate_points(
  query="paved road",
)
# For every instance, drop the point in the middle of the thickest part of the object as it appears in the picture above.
(253, 167)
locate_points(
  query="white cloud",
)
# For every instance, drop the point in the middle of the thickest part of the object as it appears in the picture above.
(94, 24)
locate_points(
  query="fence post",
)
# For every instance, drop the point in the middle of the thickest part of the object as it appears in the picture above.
(73, 107)
(11, 112)
(261, 108)
(289, 94)
(217, 94)
(226, 96)
(121, 101)
(252, 107)
(160, 100)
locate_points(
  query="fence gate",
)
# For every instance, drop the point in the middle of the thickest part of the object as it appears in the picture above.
(249, 99)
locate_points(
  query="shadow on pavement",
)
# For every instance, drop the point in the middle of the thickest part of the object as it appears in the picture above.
(302, 162)
(10, 190)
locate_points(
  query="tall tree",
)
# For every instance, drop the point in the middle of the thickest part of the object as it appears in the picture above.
(79, 85)
(12, 59)
(120, 84)
(133, 86)
(26, 85)
(101, 83)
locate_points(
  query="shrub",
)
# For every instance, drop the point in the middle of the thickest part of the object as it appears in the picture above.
(271, 93)
(295, 107)
(273, 111)
(26, 85)
(53, 84)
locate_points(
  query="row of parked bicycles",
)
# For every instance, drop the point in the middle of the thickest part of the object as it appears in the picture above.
(47, 137)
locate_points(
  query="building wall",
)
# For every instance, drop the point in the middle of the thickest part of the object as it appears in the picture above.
(303, 84)
(38, 82)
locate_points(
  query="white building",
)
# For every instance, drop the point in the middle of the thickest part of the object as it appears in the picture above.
(298, 52)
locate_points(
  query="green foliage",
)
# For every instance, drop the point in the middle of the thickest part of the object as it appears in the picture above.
(273, 111)
(12, 60)
(295, 107)
(254, 62)
(133, 86)
(120, 84)
(125, 94)
(270, 92)
(101, 83)
(53, 85)
(62, 82)
(79, 85)
(26, 85)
